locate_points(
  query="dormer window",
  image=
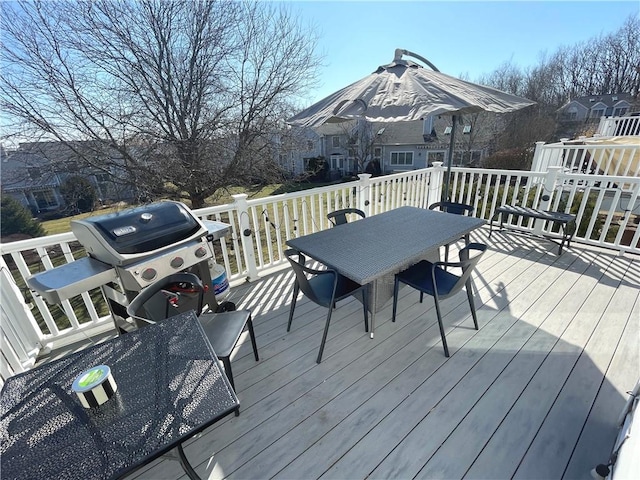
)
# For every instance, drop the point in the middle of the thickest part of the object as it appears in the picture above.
(466, 129)
(427, 125)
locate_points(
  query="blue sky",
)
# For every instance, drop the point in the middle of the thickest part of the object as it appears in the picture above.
(468, 38)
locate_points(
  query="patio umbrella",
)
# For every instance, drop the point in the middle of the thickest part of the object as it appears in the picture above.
(404, 91)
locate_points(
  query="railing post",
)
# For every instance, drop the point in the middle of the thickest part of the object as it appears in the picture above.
(15, 313)
(536, 163)
(246, 239)
(364, 192)
(549, 187)
(601, 126)
(434, 192)
(548, 190)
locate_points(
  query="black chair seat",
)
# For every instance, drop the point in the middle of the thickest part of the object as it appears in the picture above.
(224, 329)
(415, 277)
(434, 279)
(455, 209)
(323, 287)
(339, 217)
(452, 207)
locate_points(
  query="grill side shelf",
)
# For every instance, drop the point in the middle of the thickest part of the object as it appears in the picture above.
(71, 279)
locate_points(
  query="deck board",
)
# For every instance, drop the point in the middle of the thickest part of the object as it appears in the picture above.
(535, 392)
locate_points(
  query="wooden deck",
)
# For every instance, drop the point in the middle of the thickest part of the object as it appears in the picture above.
(535, 393)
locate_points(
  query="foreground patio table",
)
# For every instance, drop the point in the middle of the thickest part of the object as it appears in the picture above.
(372, 250)
(169, 387)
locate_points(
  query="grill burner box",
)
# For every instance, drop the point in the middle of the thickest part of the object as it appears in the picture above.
(124, 237)
(134, 247)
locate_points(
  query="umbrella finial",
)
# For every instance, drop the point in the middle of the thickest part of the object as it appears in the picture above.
(400, 51)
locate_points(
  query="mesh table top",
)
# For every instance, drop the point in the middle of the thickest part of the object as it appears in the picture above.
(170, 386)
(368, 249)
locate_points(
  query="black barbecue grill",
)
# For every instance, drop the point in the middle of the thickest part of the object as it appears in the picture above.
(131, 249)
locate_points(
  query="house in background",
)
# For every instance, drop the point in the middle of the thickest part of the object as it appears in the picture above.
(348, 147)
(34, 173)
(591, 108)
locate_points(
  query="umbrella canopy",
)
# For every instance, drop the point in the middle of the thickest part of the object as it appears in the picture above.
(404, 91)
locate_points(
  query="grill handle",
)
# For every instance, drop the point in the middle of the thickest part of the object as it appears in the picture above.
(161, 284)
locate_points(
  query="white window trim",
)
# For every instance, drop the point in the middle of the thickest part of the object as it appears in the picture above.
(397, 153)
(336, 162)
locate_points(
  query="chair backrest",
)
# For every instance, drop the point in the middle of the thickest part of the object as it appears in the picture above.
(467, 263)
(340, 216)
(452, 207)
(156, 314)
(301, 271)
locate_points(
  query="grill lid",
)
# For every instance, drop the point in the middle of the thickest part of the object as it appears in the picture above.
(127, 235)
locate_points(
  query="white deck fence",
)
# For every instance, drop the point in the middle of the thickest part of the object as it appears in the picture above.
(618, 126)
(607, 208)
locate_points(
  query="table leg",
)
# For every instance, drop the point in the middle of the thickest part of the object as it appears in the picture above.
(372, 322)
(186, 466)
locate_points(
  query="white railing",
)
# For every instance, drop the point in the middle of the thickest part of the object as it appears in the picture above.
(607, 208)
(619, 126)
(591, 156)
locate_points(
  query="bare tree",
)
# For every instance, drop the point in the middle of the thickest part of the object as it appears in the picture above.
(189, 93)
(360, 139)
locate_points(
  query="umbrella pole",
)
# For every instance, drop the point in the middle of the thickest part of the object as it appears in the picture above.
(447, 177)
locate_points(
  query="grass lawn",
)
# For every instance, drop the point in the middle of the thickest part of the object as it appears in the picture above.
(222, 197)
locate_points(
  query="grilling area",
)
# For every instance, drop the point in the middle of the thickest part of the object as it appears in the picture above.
(133, 249)
(534, 393)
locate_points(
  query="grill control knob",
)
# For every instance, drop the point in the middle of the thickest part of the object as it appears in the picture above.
(176, 262)
(201, 252)
(149, 274)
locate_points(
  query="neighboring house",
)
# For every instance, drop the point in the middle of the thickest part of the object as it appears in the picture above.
(34, 173)
(397, 146)
(592, 107)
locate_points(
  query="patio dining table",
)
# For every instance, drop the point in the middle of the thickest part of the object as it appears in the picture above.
(170, 386)
(372, 250)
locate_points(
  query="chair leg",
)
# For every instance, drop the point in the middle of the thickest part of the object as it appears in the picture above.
(446, 253)
(324, 335)
(226, 361)
(471, 304)
(396, 288)
(296, 288)
(444, 339)
(365, 306)
(253, 338)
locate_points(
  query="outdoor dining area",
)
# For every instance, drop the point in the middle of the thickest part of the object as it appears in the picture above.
(535, 392)
(518, 370)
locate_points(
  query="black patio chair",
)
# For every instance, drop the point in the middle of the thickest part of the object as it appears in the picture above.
(223, 329)
(455, 209)
(339, 217)
(323, 287)
(434, 280)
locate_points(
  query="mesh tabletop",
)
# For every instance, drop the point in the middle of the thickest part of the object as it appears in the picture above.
(379, 246)
(170, 386)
